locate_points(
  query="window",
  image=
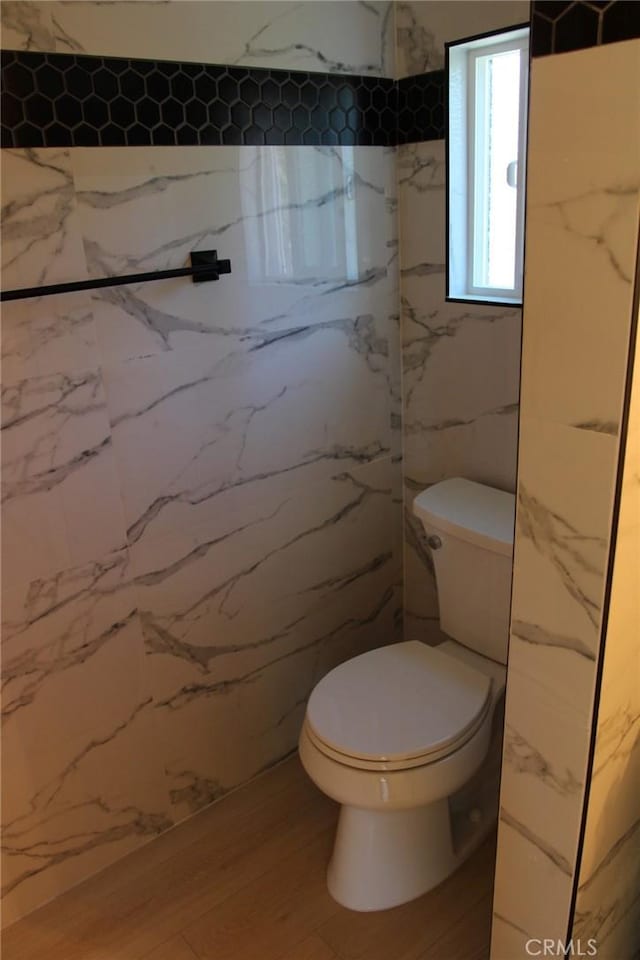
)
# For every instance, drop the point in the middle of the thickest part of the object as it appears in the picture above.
(486, 142)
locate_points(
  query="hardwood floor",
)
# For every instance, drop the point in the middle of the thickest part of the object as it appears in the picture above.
(245, 880)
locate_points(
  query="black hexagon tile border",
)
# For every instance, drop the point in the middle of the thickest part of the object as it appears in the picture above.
(66, 100)
(559, 26)
(421, 107)
(55, 100)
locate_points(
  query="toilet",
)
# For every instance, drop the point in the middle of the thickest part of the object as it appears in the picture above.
(399, 736)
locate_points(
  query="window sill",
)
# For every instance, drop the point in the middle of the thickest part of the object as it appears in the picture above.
(516, 304)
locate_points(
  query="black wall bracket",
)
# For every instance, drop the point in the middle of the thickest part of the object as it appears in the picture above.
(208, 259)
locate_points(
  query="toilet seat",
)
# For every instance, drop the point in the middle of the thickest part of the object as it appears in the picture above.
(397, 707)
(358, 763)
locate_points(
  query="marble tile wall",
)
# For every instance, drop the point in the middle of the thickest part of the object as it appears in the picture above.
(460, 361)
(608, 900)
(424, 26)
(202, 486)
(201, 483)
(460, 375)
(583, 203)
(330, 36)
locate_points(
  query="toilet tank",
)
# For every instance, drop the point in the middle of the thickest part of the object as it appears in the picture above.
(472, 556)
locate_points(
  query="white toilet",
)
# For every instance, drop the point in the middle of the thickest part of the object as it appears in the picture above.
(398, 734)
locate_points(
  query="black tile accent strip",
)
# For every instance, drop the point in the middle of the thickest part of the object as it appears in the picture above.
(558, 26)
(421, 107)
(65, 100)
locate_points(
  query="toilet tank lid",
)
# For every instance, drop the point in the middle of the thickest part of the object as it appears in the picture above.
(470, 511)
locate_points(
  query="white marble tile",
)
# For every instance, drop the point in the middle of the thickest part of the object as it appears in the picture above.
(61, 498)
(543, 775)
(395, 383)
(457, 420)
(228, 577)
(306, 231)
(250, 437)
(531, 894)
(545, 755)
(587, 213)
(607, 903)
(93, 807)
(42, 244)
(27, 26)
(56, 447)
(508, 940)
(421, 188)
(582, 209)
(55, 631)
(47, 336)
(563, 522)
(312, 291)
(613, 793)
(423, 28)
(187, 428)
(326, 36)
(82, 781)
(620, 942)
(240, 623)
(40, 238)
(607, 907)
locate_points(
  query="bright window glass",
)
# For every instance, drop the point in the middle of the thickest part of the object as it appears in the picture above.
(488, 92)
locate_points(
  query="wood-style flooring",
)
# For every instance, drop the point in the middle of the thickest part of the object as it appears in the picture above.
(245, 880)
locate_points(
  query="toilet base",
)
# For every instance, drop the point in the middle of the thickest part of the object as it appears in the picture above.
(384, 858)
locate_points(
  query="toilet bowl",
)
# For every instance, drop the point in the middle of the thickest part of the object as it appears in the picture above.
(390, 735)
(394, 733)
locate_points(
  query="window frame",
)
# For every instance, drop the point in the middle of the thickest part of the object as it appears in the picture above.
(503, 39)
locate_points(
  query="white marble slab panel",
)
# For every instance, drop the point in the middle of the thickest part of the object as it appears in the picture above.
(392, 234)
(243, 451)
(330, 37)
(582, 209)
(531, 893)
(188, 428)
(607, 905)
(61, 500)
(240, 622)
(40, 239)
(563, 525)
(57, 456)
(27, 26)
(587, 213)
(42, 244)
(49, 335)
(545, 753)
(54, 630)
(306, 230)
(99, 804)
(423, 28)
(82, 783)
(457, 419)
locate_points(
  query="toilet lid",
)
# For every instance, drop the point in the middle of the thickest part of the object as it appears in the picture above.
(403, 701)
